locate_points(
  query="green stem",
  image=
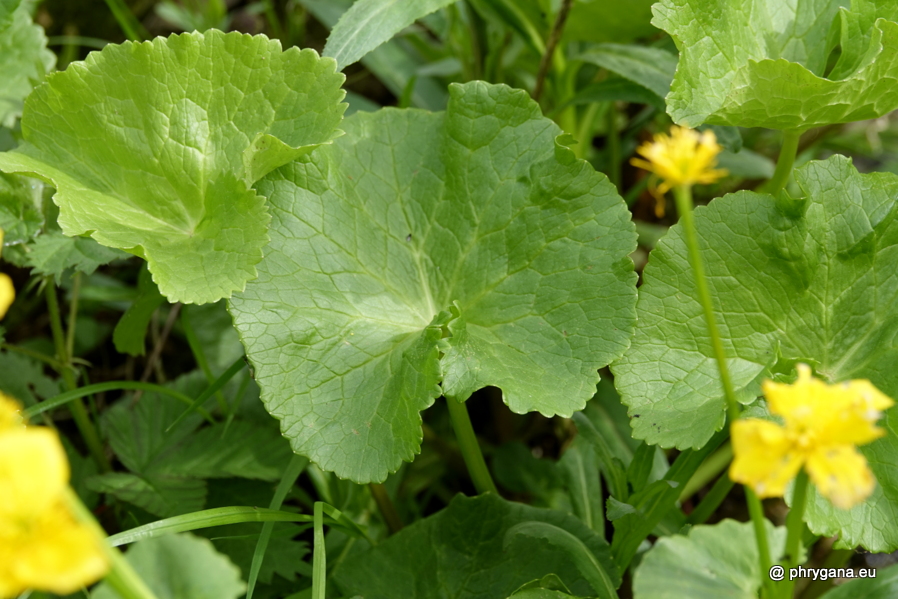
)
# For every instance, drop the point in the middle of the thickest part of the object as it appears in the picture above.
(756, 510)
(70, 396)
(319, 555)
(121, 576)
(712, 500)
(132, 28)
(386, 507)
(549, 54)
(79, 412)
(683, 195)
(297, 464)
(470, 448)
(73, 315)
(613, 144)
(708, 471)
(795, 527)
(785, 162)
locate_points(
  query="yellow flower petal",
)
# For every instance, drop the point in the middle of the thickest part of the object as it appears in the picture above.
(841, 475)
(7, 294)
(58, 555)
(42, 546)
(685, 157)
(793, 401)
(819, 413)
(10, 413)
(764, 459)
(33, 472)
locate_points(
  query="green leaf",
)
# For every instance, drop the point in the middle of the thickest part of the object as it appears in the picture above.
(24, 59)
(392, 63)
(541, 594)
(153, 147)
(585, 562)
(475, 225)
(459, 553)
(52, 254)
(708, 563)
(168, 465)
(602, 21)
(131, 330)
(162, 495)
(859, 27)
(181, 567)
(612, 90)
(651, 68)
(884, 586)
(754, 63)
(24, 379)
(215, 332)
(579, 470)
(21, 214)
(793, 280)
(543, 588)
(516, 469)
(7, 10)
(645, 509)
(369, 23)
(212, 518)
(284, 556)
(746, 164)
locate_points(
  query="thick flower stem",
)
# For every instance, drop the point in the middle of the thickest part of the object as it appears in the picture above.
(683, 195)
(785, 162)
(470, 448)
(795, 528)
(121, 576)
(79, 412)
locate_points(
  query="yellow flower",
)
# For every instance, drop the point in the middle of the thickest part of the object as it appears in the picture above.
(42, 546)
(823, 424)
(683, 158)
(7, 291)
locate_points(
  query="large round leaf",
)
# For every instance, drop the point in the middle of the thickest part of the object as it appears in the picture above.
(472, 225)
(763, 63)
(709, 563)
(810, 280)
(153, 148)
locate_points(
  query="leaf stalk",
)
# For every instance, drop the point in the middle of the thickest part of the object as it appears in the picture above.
(784, 163)
(470, 448)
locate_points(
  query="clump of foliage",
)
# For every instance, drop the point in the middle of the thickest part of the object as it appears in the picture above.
(323, 298)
